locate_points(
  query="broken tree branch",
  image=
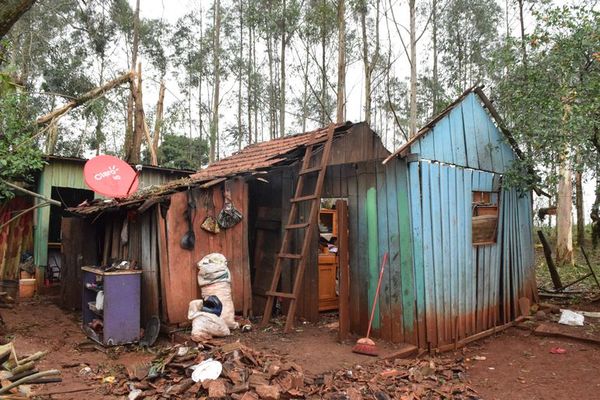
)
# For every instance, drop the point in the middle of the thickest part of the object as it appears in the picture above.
(92, 94)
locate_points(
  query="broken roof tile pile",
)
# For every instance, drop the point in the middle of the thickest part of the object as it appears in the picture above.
(250, 374)
(252, 159)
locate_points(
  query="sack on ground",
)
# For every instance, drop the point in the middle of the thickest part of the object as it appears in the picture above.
(223, 291)
(205, 325)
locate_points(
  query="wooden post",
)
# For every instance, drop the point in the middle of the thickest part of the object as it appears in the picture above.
(343, 249)
(551, 267)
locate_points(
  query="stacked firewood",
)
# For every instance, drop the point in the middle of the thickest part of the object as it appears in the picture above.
(16, 373)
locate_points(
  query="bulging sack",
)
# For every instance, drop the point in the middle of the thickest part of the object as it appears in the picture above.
(223, 291)
(205, 325)
(213, 268)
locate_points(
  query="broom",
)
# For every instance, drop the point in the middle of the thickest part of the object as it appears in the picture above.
(365, 345)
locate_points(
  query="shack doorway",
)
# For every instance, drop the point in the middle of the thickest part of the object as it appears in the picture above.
(332, 262)
(68, 197)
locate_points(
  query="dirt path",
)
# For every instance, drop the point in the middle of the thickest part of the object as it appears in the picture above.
(517, 364)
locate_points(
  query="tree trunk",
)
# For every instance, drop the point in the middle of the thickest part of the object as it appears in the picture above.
(366, 64)
(214, 125)
(523, 43)
(271, 88)
(129, 130)
(564, 222)
(10, 12)
(579, 209)
(369, 65)
(250, 85)
(434, 94)
(595, 213)
(323, 77)
(341, 73)
(305, 92)
(159, 118)
(413, 70)
(140, 122)
(240, 73)
(92, 94)
(282, 69)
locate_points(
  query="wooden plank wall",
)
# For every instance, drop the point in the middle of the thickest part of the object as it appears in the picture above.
(180, 283)
(16, 237)
(379, 222)
(463, 289)
(466, 137)
(79, 249)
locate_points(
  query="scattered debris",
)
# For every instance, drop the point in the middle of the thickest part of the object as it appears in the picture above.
(558, 350)
(571, 318)
(236, 371)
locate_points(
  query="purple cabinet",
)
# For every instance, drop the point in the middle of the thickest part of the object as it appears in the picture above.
(120, 313)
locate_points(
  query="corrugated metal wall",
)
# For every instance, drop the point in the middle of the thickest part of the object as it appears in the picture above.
(69, 173)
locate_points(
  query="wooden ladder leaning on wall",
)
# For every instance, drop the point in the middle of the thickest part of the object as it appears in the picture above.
(292, 225)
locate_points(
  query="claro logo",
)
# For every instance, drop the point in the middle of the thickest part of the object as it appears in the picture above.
(111, 172)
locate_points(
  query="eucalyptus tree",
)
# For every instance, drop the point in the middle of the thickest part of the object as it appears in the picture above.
(554, 101)
(467, 38)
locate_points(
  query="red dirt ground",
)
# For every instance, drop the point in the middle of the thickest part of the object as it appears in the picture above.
(518, 365)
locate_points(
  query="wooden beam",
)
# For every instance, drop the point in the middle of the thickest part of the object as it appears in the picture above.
(343, 260)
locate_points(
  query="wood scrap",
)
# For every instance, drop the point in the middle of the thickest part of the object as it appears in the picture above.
(555, 330)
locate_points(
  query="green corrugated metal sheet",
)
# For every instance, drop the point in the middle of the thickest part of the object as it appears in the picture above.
(69, 173)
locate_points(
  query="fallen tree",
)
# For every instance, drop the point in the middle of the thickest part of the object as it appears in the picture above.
(92, 94)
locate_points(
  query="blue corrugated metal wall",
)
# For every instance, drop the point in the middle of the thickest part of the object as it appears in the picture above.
(466, 288)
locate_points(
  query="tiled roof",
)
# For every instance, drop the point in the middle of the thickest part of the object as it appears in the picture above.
(262, 155)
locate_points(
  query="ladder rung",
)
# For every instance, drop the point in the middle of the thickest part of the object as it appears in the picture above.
(288, 255)
(298, 226)
(304, 198)
(310, 170)
(281, 294)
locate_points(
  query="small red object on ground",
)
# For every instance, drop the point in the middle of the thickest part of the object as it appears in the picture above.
(110, 176)
(558, 350)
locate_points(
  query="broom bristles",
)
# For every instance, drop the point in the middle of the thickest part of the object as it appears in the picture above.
(365, 346)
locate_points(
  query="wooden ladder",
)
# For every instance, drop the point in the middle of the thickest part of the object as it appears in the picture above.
(293, 225)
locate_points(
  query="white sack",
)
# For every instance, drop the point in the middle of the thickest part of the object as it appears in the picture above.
(213, 268)
(223, 291)
(205, 325)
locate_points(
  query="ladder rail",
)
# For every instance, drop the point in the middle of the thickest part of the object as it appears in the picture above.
(308, 227)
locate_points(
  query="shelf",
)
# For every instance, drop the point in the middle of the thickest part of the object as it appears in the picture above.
(92, 308)
(94, 289)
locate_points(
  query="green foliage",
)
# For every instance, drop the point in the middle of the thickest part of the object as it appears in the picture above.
(467, 36)
(178, 151)
(19, 155)
(553, 101)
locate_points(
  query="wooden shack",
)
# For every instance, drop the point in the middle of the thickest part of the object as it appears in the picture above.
(459, 243)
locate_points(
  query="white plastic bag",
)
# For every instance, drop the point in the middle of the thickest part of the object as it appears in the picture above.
(572, 318)
(205, 325)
